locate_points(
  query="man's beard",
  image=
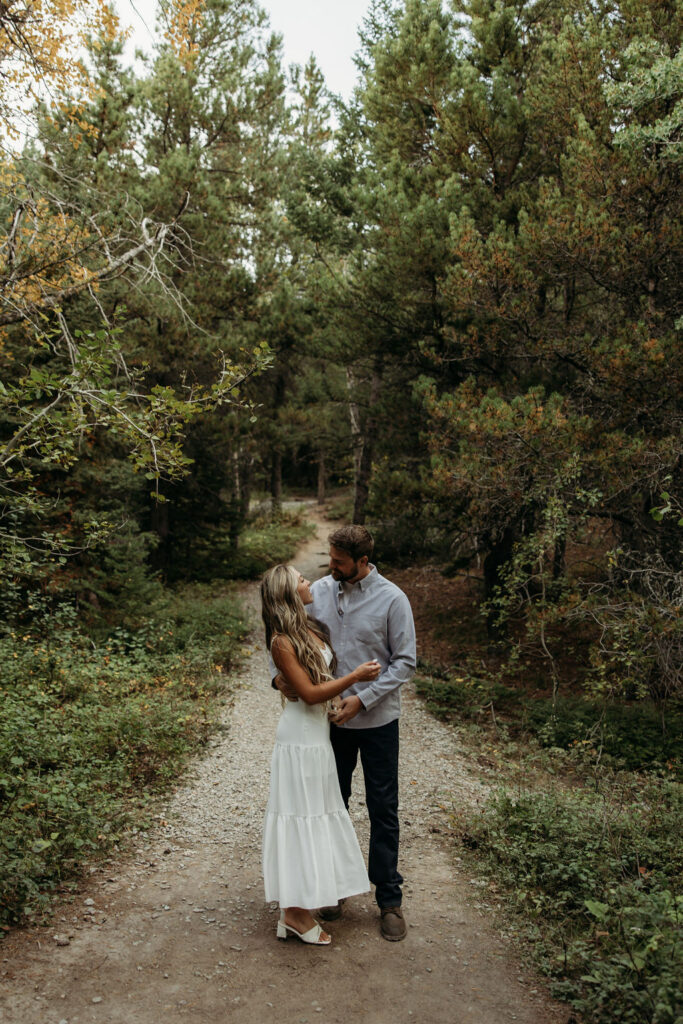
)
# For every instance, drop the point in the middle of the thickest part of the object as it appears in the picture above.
(341, 577)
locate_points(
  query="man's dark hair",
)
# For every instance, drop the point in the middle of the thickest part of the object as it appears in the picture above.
(355, 540)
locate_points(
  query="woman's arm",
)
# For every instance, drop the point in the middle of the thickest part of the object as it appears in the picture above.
(310, 692)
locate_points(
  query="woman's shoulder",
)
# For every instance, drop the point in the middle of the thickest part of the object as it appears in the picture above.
(280, 642)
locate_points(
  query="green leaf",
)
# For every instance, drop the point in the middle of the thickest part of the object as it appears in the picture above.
(598, 910)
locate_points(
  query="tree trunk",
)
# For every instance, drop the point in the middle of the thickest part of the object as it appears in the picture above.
(499, 555)
(276, 454)
(559, 557)
(321, 478)
(362, 494)
(354, 416)
(365, 449)
(235, 508)
(276, 485)
(161, 556)
(246, 478)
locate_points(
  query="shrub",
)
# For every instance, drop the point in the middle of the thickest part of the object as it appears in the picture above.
(596, 874)
(91, 728)
(627, 735)
(624, 735)
(467, 695)
(264, 542)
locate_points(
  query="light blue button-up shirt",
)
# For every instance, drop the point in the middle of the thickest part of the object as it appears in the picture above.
(369, 619)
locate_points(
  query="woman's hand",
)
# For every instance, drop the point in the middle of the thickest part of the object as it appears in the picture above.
(368, 670)
(347, 709)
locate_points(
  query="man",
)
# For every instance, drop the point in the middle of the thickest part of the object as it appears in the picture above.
(369, 617)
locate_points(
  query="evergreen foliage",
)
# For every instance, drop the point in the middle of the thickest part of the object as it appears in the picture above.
(502, 290)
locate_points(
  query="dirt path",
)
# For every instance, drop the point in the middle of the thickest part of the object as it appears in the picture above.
(179, 932)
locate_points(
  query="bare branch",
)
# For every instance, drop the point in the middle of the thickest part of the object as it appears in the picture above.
(16, 438)
(152, 244)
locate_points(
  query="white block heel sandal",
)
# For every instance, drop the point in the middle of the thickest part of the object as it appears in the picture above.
(312, 936)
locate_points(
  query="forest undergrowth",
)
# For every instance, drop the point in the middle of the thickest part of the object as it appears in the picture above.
(101, 715)
(580, 843)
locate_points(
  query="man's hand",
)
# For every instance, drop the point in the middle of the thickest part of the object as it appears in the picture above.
(348, 709)
(284, 687)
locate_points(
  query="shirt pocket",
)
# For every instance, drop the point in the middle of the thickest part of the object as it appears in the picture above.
(370, 631)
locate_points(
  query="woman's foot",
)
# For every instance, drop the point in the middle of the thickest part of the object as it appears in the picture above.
(301, 920)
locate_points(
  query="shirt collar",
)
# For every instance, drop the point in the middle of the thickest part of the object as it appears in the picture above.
(363, 584)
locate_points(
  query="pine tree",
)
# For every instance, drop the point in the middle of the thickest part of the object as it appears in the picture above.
(211, 124)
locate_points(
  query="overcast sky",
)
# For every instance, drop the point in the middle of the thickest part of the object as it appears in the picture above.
(327, 28)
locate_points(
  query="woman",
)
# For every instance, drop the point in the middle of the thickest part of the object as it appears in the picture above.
(311, 856)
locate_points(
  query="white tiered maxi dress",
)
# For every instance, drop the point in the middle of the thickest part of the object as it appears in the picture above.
(311, 856)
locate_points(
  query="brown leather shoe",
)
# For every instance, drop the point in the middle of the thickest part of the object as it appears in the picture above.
(332, 913)
(393, 925)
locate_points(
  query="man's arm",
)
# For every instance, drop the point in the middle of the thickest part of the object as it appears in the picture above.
(402, 657)
(347, 709)
(279, 682)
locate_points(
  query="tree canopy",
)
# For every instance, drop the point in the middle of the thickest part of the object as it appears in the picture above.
(458, 291)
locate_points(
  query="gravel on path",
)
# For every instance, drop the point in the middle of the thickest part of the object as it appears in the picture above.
(179, 931)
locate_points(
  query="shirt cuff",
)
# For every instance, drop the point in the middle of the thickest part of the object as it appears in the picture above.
(367, 698)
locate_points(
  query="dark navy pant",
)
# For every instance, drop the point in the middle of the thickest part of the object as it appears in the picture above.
(378, 750)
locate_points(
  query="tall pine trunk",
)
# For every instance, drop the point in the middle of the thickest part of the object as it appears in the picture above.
(241, 494)
(276, 484)
(321, 478)
(363, 432)
(352, 386)
(160, 524)
(276, 454)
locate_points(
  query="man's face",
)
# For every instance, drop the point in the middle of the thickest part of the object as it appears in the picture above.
(342, 566)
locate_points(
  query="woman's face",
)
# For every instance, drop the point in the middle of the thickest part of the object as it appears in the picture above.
(303, 587)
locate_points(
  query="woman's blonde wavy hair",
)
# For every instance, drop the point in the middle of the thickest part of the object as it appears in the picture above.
(284, 614)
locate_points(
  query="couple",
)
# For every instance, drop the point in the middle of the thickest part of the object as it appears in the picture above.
(311, 856)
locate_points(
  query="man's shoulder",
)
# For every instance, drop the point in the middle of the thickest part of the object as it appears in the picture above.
(391, 596)
(388, 587)
(323, 585)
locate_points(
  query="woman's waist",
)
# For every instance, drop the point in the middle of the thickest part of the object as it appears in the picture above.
(302, 721)
(300, 709)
